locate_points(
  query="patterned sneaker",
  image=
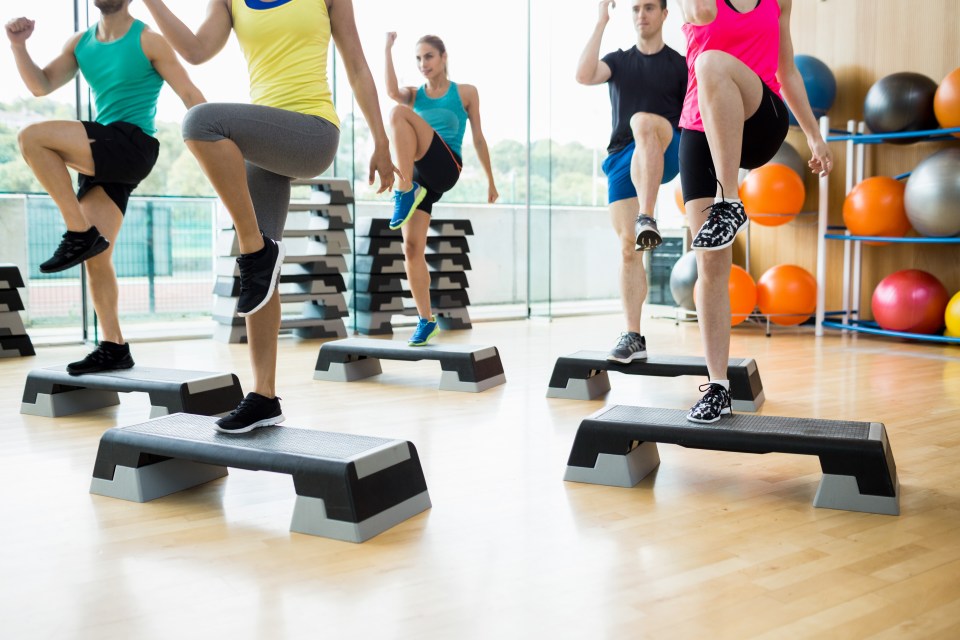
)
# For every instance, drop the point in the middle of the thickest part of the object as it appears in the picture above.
(425, 330)
(253, 411)
(648, 236)
(75, 247)
(631, 346)
(259, 273)
(714, 403)
(725, 221)
(405, 203)
(108, 356)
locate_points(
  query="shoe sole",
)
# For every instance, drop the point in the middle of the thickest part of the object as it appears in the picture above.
(417, 199)
(633, 356)
(723, 412)
(92, 252)
(432, 335)
(281, 253)
(266, 422)
(648, 240)
(694, 246)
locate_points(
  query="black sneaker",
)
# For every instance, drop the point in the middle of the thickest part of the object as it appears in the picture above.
(631, 346)
(725, 221)
(75, 247)
(259, 273)
(253, 411)
(108, 356)
(714, 403)
(648, 236)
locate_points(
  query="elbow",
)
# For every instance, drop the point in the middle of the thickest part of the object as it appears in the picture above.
(39, 92)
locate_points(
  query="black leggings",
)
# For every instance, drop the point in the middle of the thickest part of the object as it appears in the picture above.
(437, 171)
(763, 133)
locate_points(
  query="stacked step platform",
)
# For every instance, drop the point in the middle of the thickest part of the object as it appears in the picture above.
(312, 288)
(14, 340)
(379, 288)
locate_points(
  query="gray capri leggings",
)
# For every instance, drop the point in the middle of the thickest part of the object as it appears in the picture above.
(277, 145)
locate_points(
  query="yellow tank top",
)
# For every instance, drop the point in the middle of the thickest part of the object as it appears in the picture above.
(285, 43)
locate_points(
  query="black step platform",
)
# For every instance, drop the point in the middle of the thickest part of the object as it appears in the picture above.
(617, 446)
(583, 376)
(380, 227)
(11, 346)
(465, 367)
(52, 392)
(348, 487)
(10, 300)
(10, 277)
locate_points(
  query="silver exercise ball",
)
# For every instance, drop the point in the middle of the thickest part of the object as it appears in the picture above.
(682, 278)
(787, 155)
(932, 197)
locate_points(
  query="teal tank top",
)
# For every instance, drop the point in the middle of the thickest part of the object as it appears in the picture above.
(125, 85)
(445, 114)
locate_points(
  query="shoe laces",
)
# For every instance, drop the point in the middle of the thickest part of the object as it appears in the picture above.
(712, 389)
(70, 244)
(627, 340)
(721, 209)
(248, 403)
(99, 356)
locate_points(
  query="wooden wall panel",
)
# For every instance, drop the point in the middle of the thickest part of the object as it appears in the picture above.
(863, 41)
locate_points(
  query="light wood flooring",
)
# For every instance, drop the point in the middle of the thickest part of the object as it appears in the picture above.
(712, 545)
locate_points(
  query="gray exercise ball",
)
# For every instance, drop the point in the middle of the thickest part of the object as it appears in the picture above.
(932, 197)
(790, 157)
(682, 278)
(901, 102)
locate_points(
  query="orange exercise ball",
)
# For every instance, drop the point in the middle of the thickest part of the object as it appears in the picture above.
(875, 207)
(772, 194)
(946, 102)
(678, 196)
(743, 295)
(788, 293)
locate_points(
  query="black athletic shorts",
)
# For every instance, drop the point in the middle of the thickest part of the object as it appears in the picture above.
(763, 133)
(123, 155)
(437, 171)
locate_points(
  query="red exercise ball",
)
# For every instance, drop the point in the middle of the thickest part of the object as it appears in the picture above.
(875, 207)
(911, 300)
(946, 101)
(743, 295)
(788, 293)
(772, 194)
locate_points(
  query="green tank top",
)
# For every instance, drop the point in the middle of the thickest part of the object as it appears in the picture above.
(125, 85)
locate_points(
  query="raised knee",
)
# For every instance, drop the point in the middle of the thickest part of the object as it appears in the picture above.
(398, 114)
(27, 138)
(646, 128)
(197, 123)
(709, 65)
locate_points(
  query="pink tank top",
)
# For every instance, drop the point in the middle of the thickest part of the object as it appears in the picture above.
(753, 38)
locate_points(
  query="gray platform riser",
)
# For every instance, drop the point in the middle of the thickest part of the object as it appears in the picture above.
(69, 402)
(156, 480)
(618, 471)
(842, 492)
(310, 517)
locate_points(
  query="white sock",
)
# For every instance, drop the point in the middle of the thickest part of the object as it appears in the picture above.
(723, 383)
(733, 200)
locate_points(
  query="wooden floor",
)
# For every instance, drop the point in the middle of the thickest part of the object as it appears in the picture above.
(712, 545)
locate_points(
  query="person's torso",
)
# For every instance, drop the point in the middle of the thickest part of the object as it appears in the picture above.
(285, 44)
(124, 83)
(654, 83)
(752, 37)
(445, 114)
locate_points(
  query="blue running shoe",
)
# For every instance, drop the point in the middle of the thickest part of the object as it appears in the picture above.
(405, 203)
(425, 330)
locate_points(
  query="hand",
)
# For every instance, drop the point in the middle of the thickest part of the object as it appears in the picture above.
(19, 29)
(391, 38)
(382, 165)
(822, 160)
(492, 194)
(605, 6)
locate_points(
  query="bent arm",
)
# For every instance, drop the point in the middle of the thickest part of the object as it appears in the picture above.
(198, 47)
(59, 72)
(590, 68)
(400, 95)
(791, 82)
(698, 11)
(161, 56)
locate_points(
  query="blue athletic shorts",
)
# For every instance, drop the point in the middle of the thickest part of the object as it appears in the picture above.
(617, 169)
